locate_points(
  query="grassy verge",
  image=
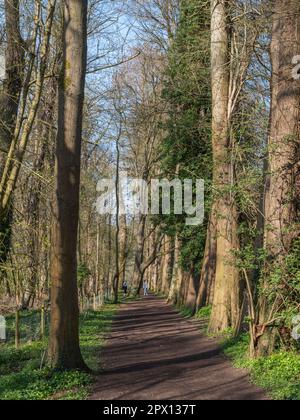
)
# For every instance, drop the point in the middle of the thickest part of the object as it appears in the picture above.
(184, 311)
(278, 374)
(21, 375)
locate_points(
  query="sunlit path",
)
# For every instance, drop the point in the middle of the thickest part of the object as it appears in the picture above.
(153, 353)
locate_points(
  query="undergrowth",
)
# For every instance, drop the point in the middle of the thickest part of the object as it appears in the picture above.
(278, 374)
(22, 376)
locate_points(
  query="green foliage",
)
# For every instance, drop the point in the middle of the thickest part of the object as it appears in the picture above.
(83, 272)
(185, 312)
(204, 313)
(12, 360)
(277, 283)
(280, 286)
(35, 384)
(93, 328)
(186, 149)
(279, 373)
(237, 348)
(192, 253)
(21, 377)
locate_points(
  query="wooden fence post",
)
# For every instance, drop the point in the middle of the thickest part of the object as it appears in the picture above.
(17, 329)
(43, 322)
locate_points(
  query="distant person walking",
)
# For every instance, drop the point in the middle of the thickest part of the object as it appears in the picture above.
(124, 288)
(145, 287)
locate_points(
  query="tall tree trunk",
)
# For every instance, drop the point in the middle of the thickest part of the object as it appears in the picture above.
(191, 290)
(64, 350)
(177, 279)
(9, 102)
(156, 274)
(123, 246)
(12, 85)
(139, 254)
(33, 207)
(167, 265)
(43, 135)
(208, 272)
(226, 301)
(150, 272)
(116, 280)
(283, 186)
(109, 259)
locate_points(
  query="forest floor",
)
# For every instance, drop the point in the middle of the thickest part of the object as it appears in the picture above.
(153, 353)
(21, 374)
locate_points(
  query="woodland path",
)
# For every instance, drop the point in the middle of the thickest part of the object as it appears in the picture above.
(153, 353)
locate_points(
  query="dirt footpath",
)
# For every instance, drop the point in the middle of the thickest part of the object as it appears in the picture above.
(155, 354)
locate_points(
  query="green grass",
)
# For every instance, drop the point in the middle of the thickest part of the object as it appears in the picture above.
(278, 374)
(184, 311)
(204, 313)
(160, 295)
(21, 375)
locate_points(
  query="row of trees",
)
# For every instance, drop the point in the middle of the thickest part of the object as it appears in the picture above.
(41, 132)
(201, 90)
(237, 127)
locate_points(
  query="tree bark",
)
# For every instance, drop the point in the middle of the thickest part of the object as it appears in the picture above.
(175, 295)
(208, 272)
(167, 265)
(9, 102)
(123, 246)
(139, 254)
(43, 134)
(12, 85)
(64, 350)
(225, 310)
(116, 280)
(283, 183)
(191, 290)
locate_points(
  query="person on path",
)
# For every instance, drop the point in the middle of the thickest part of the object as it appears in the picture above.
(124, 288)
(145, 287)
